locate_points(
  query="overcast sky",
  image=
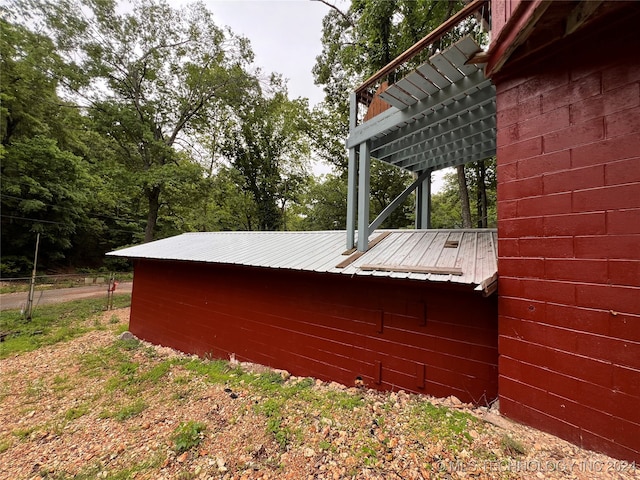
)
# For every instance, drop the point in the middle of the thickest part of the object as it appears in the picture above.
(285, 36)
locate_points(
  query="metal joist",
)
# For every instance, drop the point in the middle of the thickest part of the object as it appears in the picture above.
(454, 116)
(438, 135)
(392, 119)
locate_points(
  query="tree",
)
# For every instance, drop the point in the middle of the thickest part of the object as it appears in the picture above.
(448, 210)
(44, 189)
(45, 183)
(151, 78)
(271, 150)
(362, 39)
(326, 204)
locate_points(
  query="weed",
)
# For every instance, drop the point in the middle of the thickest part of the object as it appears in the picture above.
(121, 328)
(125, 412)
(451, 426)
(36, 390)
(76, 412)
(61, 383)
(24, 433)
(325, 445)
(369, 455)
(157, 372)
(512, 447)
(343, 400)
(114, 319)
(98, 324)
(5, 445)
(188, 435)
(128, 344)
(93, 471)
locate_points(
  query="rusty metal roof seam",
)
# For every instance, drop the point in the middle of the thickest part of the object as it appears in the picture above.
(321, 252)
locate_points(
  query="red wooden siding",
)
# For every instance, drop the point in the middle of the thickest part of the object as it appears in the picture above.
(394, 334)
(569, 241)
(501, 11)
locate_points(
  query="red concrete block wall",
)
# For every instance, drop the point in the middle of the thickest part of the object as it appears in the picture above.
(569, 242)
(393, 334)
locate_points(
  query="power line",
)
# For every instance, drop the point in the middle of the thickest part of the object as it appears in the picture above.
(36, 220)
(90, 214)
(30, 219)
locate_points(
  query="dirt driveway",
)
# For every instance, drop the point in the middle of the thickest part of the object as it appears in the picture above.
(10, 301)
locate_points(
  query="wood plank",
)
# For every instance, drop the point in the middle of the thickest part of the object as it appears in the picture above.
(430, 73)
(413, 269)
(418, 80)
(459, 60)
(468, 46)
(391, 100)
(400, 95)
(411, 89)
(444, 66)
(348, 261)
(489, 285)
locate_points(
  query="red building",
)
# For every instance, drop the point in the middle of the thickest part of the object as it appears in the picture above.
(567, 77)
(405, 315)
(557, 99)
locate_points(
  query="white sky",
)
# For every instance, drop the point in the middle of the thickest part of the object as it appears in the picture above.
(285, 36)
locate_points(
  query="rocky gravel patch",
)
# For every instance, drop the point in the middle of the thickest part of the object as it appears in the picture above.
(102, 407)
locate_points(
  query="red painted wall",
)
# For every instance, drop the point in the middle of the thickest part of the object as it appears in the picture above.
(569, 241)
(501, 11)
(395, 334)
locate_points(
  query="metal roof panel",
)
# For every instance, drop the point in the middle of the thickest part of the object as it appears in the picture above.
(475, 253)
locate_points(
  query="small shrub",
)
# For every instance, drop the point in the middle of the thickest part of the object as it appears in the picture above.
(188, 435)
(512, 447)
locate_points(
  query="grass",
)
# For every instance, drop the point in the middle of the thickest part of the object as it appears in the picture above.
(188, 435)
(132, 378)
(51, 324)
(124, 412)
(512, 447)
(450, 426)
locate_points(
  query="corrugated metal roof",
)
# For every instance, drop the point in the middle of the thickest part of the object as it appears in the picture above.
(456, 256)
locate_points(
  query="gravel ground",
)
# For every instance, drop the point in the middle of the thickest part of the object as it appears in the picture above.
(66, 413)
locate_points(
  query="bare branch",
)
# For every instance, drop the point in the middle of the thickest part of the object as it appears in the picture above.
(342, 14)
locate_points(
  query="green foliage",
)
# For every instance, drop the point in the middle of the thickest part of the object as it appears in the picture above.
(512, 447)
(126, 411)
(49, 188)
(369, 34)
(450, 426)
(446, 205)
(188, 435)
(270, 149)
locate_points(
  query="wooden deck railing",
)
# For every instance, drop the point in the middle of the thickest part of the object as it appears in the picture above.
(364, 92)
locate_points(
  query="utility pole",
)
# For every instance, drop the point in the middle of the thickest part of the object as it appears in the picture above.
(29, 308)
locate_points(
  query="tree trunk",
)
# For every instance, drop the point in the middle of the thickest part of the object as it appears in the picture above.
(464, 197)
(481, 195)
(153, 196)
